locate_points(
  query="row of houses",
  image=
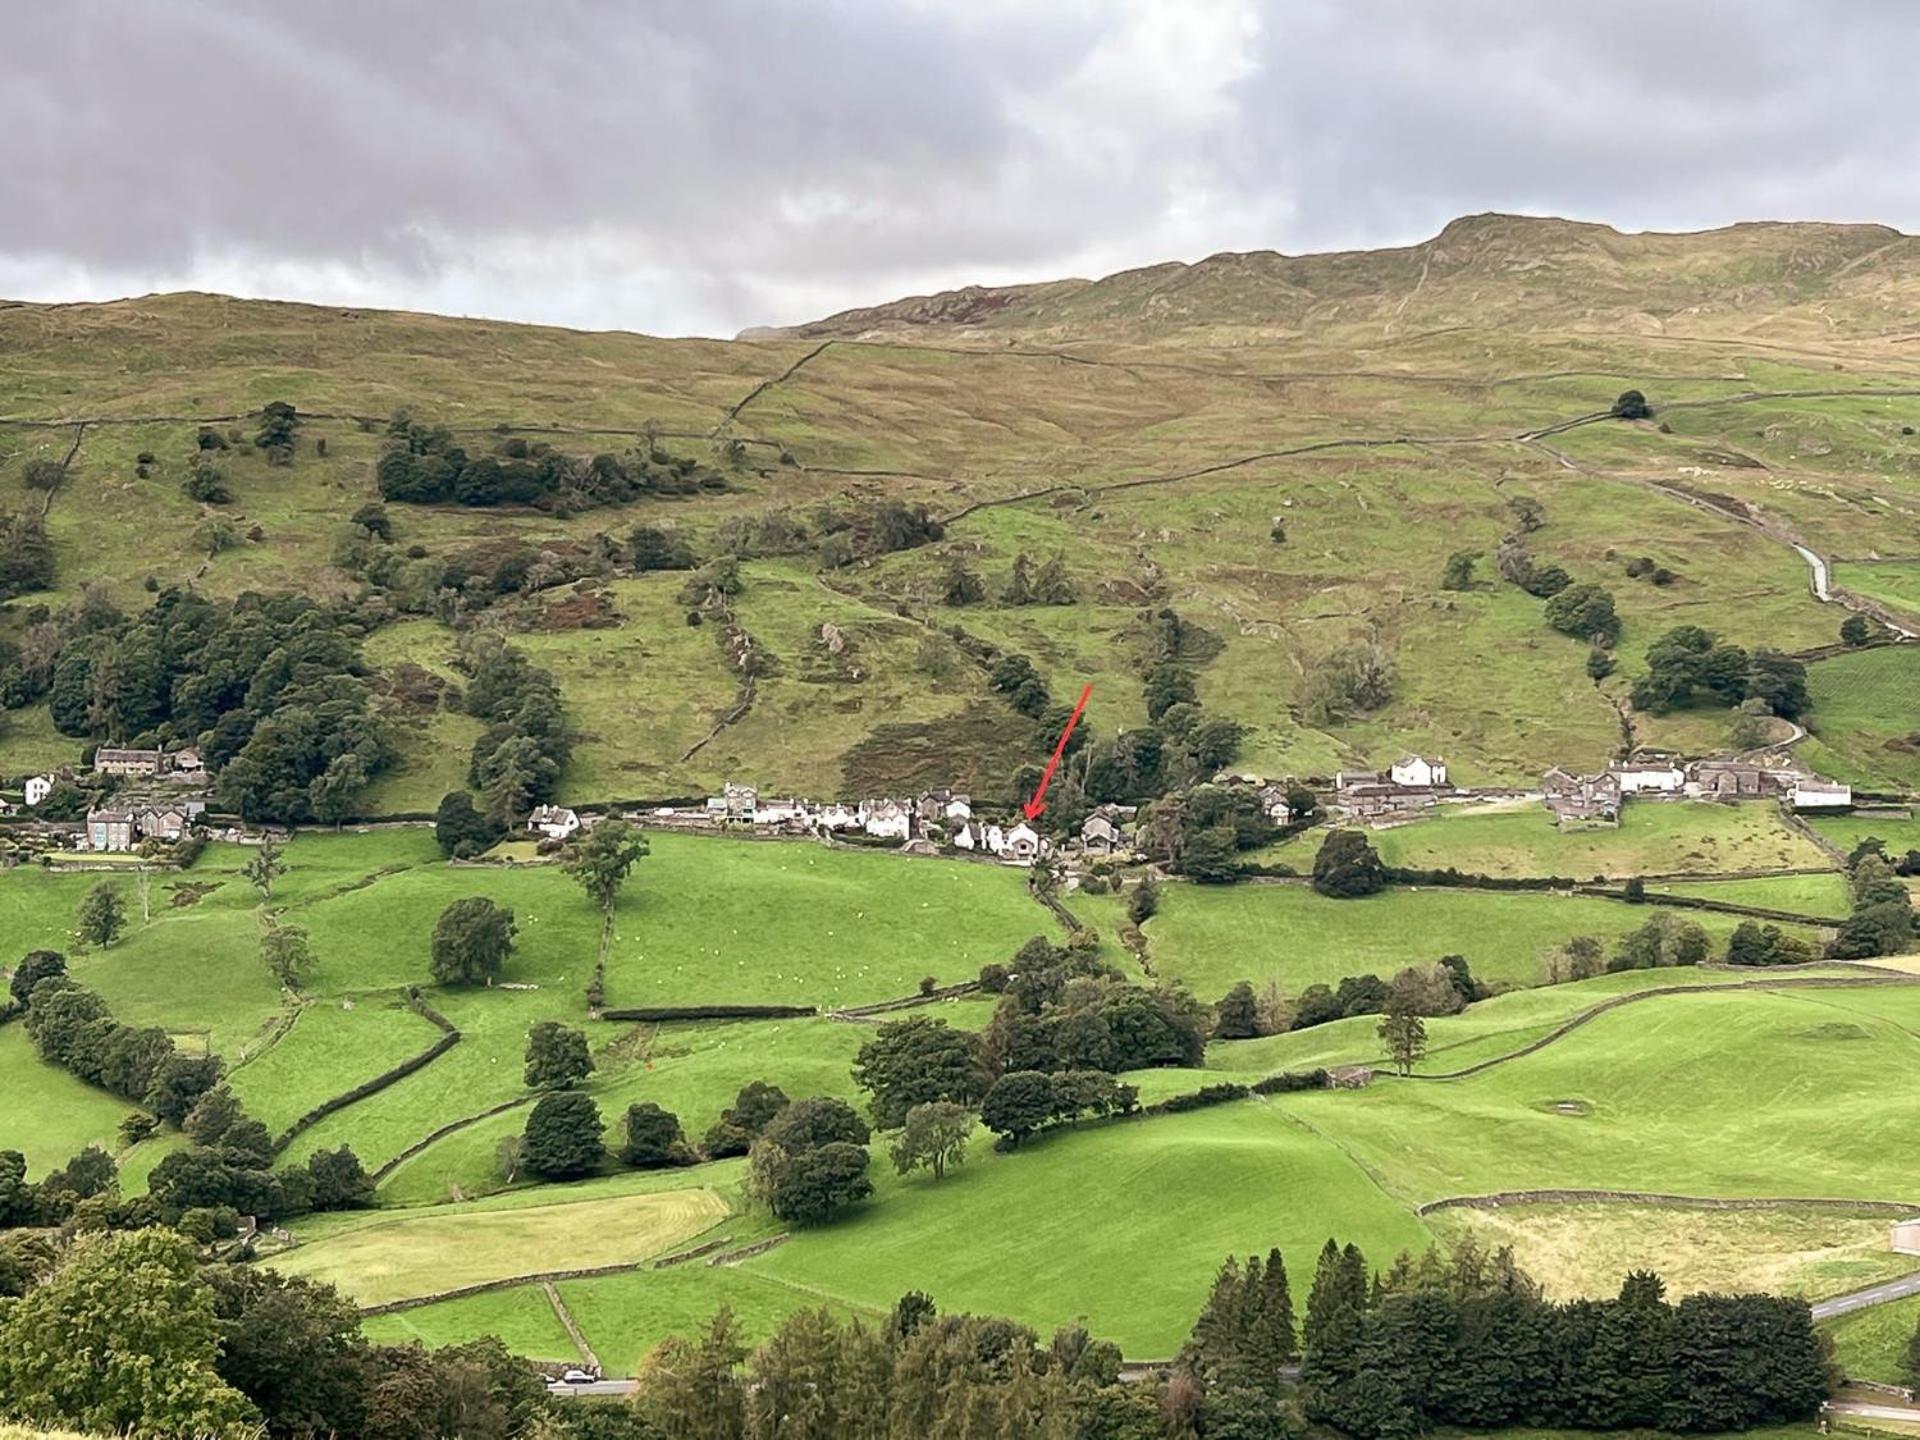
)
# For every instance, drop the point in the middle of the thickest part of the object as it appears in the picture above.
(122, 829)
(935, 819)
(1575, 798)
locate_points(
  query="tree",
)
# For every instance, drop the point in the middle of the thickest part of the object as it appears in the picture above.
(1752, 724)
(1347, 867)
(34, 966)
(815, 1121)
(653, 1138)
(1348, 682)
(121, 1337)
(1458, 574)
(562, 1139)
(740, 1123)
(933, 1137)
(1019, 1103)
(1405, 1034)
(1238, 1015)
(1168, 684)
(287, 951)
(961, 585)
(340, 1181)
(1854, 630)
(459, 829)
(1019, 589)
(1631, 405)
(557, 1057)
(265, 866)
(1584, 612)
(293, 1347)
(917, 1061)
(805, 1187)
(102, 915)
(601, 859)
(471, 941)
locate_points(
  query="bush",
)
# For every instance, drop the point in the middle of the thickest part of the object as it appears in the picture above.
(1631, 405)
(653, 1138)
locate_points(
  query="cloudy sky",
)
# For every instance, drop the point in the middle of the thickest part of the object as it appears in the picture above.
(696, 166)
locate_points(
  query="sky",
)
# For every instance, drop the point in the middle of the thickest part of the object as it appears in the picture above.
(699, 166)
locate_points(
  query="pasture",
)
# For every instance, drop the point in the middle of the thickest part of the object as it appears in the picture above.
(1673, 837)
(1209, 937)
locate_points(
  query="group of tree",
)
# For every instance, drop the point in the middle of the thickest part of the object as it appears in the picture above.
(1050, 584)
(26, 554)
(1645, 567)
(71, 1027)
(1202, 831)
(1024, 1102)
(1443, 988)
(1347, 867)
(425, 465)
(810, 1161)
(272, 690)
(1689, 666)
(1881, 919)
(228, 1172)
(823, 1377)
(129, 1333)
(1582, 609)
(1472, 1344)
(1063, 1008)
(517, 759)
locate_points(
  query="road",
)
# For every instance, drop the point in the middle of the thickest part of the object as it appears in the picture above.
(596, 1387)
(1874, 1412)
(1886, 1290)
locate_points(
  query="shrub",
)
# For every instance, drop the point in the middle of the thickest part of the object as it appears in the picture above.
(1631, 405)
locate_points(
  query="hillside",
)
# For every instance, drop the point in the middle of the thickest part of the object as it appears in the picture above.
(1377, 411)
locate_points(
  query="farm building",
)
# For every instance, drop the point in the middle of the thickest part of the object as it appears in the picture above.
(1736, 780)
(1812, 793)
(553, 821)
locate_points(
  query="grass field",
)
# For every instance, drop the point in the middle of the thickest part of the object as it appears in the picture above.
(1653, 838)
(1821, 896)
(394, 1259)
(1210, 937)
(1078, 1247)
(1867, 709)
(522, 1317)
(1872, 1344)
(49, 1116)
(1740, 1093)
(332, 1046)
(1584, 1250)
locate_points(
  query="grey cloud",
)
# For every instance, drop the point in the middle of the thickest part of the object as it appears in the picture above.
(706, 164)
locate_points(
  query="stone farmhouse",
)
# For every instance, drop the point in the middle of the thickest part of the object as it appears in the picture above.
(109, 830)
(1577, 799)
(1736, 780)
(1370, 795)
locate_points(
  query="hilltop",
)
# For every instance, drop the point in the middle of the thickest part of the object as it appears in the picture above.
(1482, 271)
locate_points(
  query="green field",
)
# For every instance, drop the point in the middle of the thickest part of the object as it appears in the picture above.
(424, 1253)
(1209, 937)
(522, 1317)
(1091, 1208)
(1867, 710)
(1653, 838)
(1872, 1344)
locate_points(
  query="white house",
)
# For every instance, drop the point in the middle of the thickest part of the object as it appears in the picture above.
(1273, 800)
(779, 812)
(38, 788)
(1023, 844)
(839, 817)
(1638, 777)
(1812, 793)
(1421, 773)
(959, 809)
(888, 820)
(553, 821)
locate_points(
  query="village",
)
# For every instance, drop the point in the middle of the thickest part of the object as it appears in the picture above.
(155, 798)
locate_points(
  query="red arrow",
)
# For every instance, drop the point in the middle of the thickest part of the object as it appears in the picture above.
(1039, 801)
